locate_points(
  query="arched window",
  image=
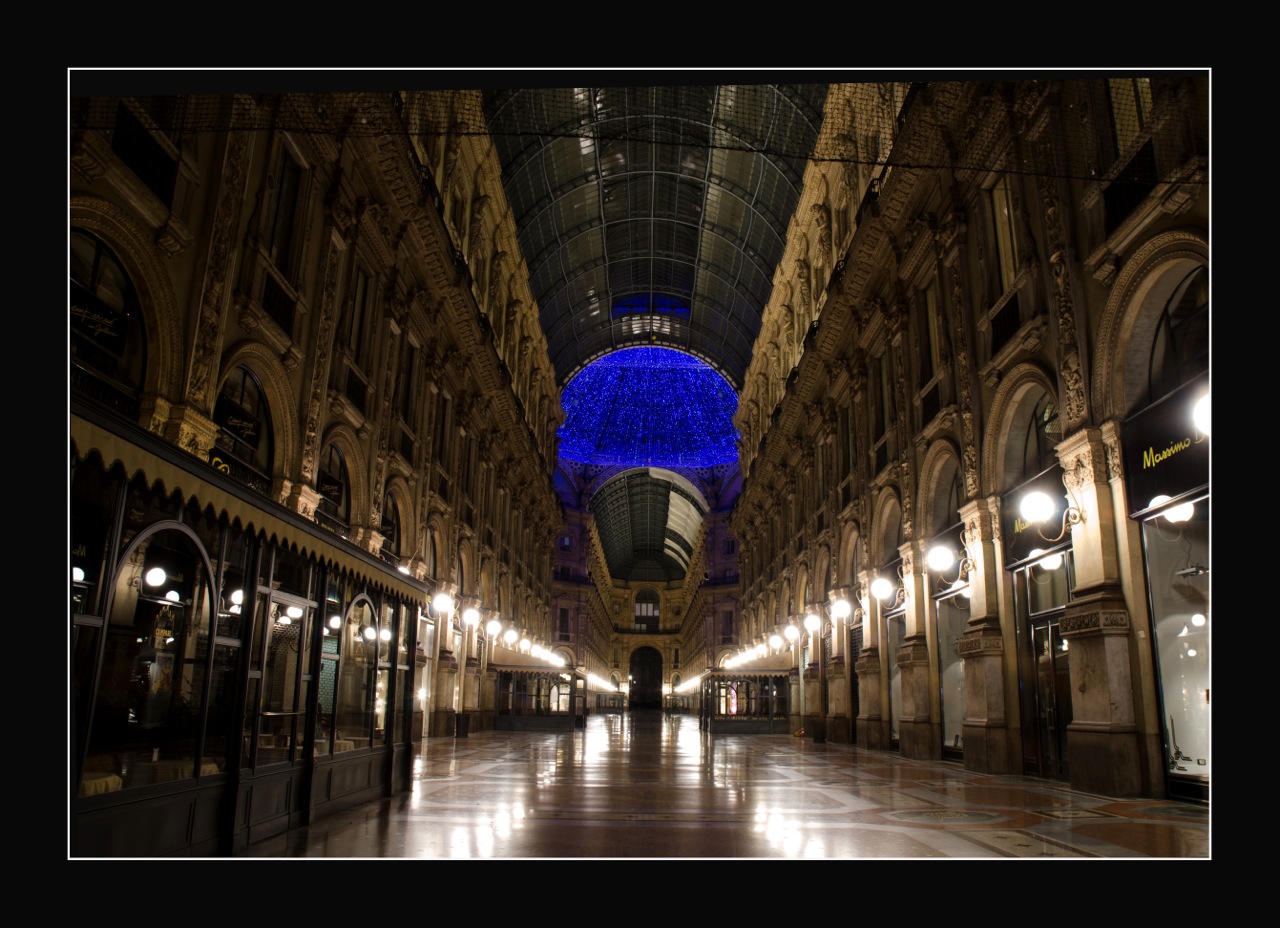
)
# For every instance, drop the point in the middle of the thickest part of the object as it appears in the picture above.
(334, 509)
(1180, 351)
(108, 341)
(1042, 435)
(243, 446)
(390, 529)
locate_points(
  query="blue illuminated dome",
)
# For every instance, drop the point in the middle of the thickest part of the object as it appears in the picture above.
(649, 406)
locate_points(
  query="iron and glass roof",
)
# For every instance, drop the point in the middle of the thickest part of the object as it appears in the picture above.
(653, 215)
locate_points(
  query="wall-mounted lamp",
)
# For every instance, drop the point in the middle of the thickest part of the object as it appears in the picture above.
(812, 622)
(841, 604)
(942, 557)
(1037, 506)
(776, 642)
(1180, 513)
(1200, 414)
(471, 615)
(889, 593)
(792, 631)
(442, 601)
(1046, 561)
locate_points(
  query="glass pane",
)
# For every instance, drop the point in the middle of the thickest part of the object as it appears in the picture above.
(1048, 584)
(1178, 578)
(328, 684)
(897, 633)
(953, 618)
(149, 708)
(353, 714)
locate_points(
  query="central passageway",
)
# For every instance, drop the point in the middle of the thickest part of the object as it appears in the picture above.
(644, 784)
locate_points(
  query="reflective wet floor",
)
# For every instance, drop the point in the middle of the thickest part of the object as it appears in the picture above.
(649, 785)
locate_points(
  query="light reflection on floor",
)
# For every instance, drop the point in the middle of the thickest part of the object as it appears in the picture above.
(648, 785)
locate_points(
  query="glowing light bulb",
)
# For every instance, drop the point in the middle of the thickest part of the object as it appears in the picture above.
(1036, 506)
(941, 558)
(1200, 414)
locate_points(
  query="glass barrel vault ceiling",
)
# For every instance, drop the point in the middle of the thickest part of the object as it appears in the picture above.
(653, 215)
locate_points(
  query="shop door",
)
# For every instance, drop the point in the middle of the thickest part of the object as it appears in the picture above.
(1042, 590)
(1053, 699)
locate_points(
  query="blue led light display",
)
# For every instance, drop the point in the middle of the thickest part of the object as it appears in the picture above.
(649, 406)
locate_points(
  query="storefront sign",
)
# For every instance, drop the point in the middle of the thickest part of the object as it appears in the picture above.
(1164, 453)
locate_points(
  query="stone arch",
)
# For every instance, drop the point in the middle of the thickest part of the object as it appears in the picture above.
(345, 438)
(488, 584)
(847, 565)
(1134, 305)
(146, 267)
(266, 366)
(940, 466)
(885, 526)
(822, 580)
(401, 493)
(466, 560)
(801, 591)
(1019, 388)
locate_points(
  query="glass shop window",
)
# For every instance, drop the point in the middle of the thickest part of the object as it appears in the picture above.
(150, 706)
(357, 678)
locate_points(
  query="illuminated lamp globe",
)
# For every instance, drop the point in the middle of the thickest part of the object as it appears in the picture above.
(442, 603)
(941, 558)
(1200, 414)
(881, 588)
(1048, 561)
(1036, 506)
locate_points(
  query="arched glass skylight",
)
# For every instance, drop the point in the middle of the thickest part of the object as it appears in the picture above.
(649, 406)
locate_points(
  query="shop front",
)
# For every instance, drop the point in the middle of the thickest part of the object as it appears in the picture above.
(1042, 571)
(234, 673)
(1167, 483)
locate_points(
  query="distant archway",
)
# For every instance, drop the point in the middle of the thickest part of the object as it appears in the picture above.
(645, 674)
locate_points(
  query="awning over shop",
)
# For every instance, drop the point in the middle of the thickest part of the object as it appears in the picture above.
(162, 466)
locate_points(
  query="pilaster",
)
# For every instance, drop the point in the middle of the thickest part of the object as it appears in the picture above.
(916, 735)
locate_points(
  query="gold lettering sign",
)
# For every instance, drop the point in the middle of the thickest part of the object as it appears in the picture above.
(95, 323)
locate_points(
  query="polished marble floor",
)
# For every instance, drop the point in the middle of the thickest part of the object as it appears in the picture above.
(649, 785)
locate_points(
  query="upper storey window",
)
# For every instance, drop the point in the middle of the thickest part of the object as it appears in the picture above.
(1180, 351)
(282, 242)
(243, 446)
(1040, 441)
(1002, 212)
(108, 343)
(882, 413)
(333, 512)
(1130, 109)
(351, 334)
